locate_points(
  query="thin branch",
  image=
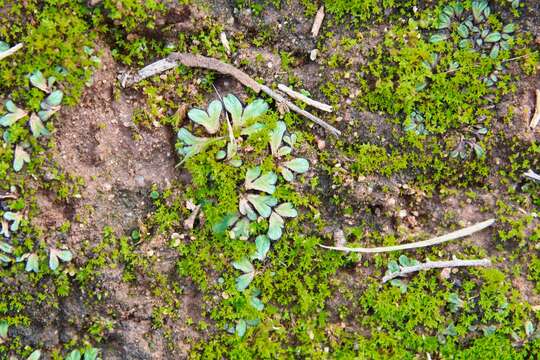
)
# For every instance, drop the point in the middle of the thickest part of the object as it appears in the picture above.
(435, 241)
(10, 51)
(319, 17)
(515, 58)
(536, 117)
(190, 60)
(280, 99)
(532, 175)
(435, 265)
(296, 95)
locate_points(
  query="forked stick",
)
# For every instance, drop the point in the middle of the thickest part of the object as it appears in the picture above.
(434, 265)
(191, 60)
(435, 241)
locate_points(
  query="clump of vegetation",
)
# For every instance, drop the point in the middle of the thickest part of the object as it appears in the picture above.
(244, 144)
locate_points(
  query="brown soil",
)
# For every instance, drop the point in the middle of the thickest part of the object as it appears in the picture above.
(98, 141)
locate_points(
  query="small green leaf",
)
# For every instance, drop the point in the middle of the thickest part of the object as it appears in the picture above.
(286, 173)
(38, 80)
(45, 115)
(21, 156)
(65, 255)
(494, 53)
(493, 37)
(400, 284)
(478, 150)
(265, 182)
(298, 165)
(14, 114)
(256, 303)
(32, 263)
(286, 210)
(37, 127)
(477, 8)
(235, 163)
(4, 46)
(5, 247)
(234, 107)
(4, 327)
(405, 261)
(35, 355)
(246, 209)
(465, 43)
(275, 226)
(241, 327)
(243, 265)
(210, 119)
(254, 110)
(53, 261)
(243, 281)
(276, 137)
(393, 267)
(195, 145)
(220, 155)
(240, 230)
(458, 9)
(290, 140)
(262, 244)
(74, 355)
(262, 203)
(10, 106)
(436, 38)
(16, 219)
(444, 21)
(91, 354)
(227, 221)
(529, 328)
(283, 151)
(463, 31)
(252, 129)
(53, 100)
(509, 28)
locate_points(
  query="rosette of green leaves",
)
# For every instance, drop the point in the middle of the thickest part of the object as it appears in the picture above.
(210, 119)
(287, 168)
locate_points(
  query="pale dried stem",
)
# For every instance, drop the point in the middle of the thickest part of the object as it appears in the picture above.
(532, 175)
(435, 265)
(319, 17)
(299, 96)
(435, 241)
(10, 51)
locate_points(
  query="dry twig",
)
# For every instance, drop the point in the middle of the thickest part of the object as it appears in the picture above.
(199, 61)
(10, 51)
(296, 95)
(319, 17)
(225, 42)
(536, 117)
(435, 241)
(435, 265)
(532, 175)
